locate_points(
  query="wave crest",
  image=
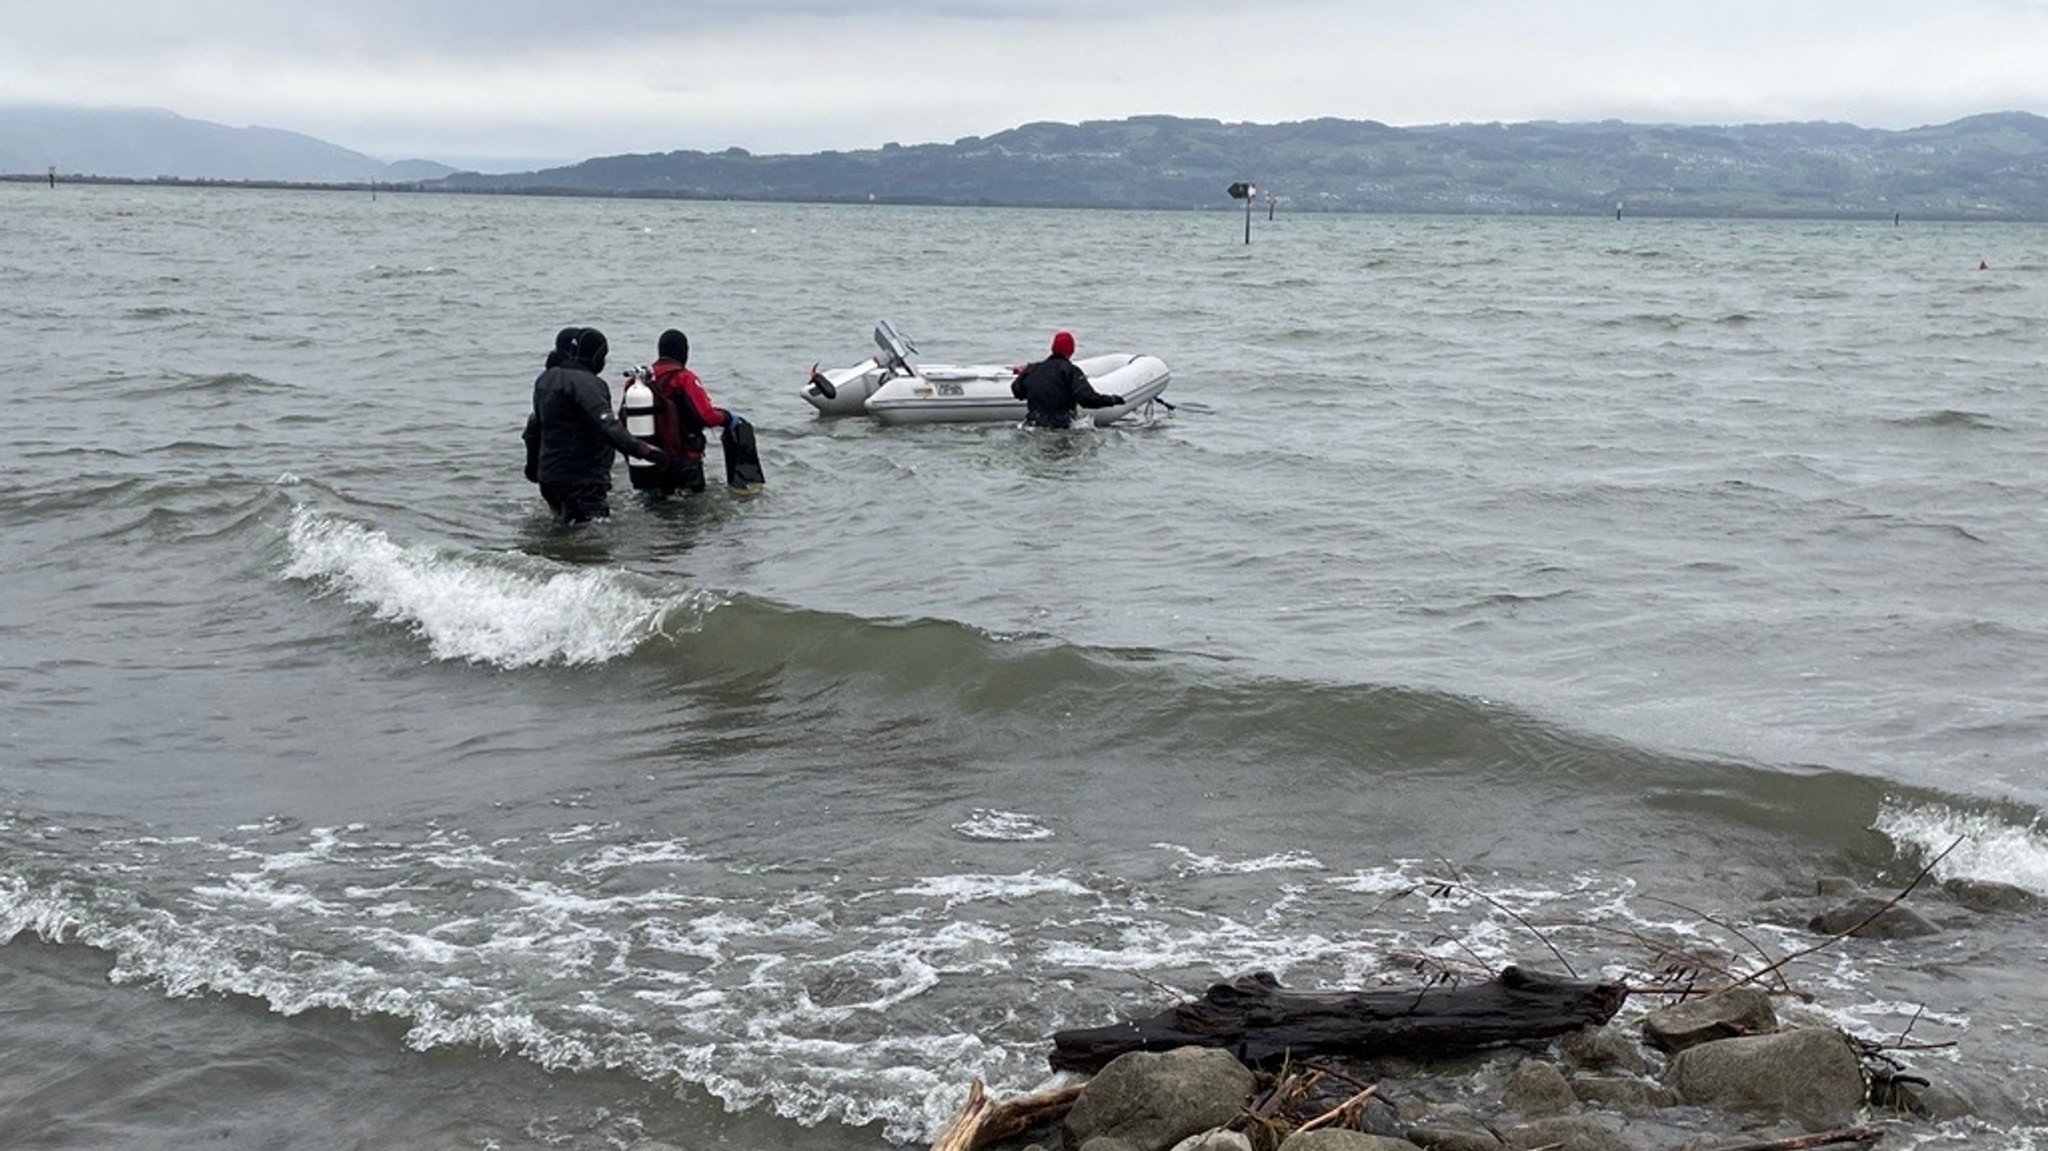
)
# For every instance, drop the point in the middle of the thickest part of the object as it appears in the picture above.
(470, 609)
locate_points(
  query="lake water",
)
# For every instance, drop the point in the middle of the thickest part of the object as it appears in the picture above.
(1601, 565)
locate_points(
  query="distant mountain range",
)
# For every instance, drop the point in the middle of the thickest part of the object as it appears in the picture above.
(1991, 166)
(147, 143)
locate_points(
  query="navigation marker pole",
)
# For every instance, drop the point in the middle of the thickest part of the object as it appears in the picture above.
(1245, 191)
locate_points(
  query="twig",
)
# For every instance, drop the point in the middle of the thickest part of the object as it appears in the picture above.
(1820, 1139)
(1845, 933)
(1511, 913)
(1666, 951)
(1730, 928)
(1176, 992)
(1338, 1112)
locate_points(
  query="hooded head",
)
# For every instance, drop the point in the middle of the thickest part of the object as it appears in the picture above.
(590, 348)
(565, 346)
(674, 346)
(1063, 343)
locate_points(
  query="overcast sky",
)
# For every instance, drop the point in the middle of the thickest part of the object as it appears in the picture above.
(456, 79)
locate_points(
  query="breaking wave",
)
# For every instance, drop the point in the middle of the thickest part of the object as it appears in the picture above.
(514, 613)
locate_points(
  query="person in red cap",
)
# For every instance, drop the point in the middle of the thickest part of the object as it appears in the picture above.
(1055, 386)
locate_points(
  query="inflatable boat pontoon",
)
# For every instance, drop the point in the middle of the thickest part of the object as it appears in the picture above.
(895, 389)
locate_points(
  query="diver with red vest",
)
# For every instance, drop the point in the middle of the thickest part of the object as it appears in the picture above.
(673, 415)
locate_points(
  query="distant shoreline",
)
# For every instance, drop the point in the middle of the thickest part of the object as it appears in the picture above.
(1656, 212)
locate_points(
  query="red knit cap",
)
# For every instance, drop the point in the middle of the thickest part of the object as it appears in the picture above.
(1063, 343)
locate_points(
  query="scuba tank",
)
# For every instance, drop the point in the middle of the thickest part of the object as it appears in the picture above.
(636, 411)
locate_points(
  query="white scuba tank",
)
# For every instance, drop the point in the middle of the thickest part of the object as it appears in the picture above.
(636, 411)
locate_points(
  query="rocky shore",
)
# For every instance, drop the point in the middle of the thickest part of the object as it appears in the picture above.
(1749, 1066)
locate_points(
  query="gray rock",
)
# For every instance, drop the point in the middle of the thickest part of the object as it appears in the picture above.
(1894, 922)
(1834, 885)
(1743, 1011)
(1811, 1077)
(1621, 1093)
(1218, 1140)
(1454, 1139)
(1154, 1100)
(1602, 1048)
(1329, 1140)
(1933, 1102)
(1536, 1088)
(1108, 1143)
(1568, 1134)
(1986, 896)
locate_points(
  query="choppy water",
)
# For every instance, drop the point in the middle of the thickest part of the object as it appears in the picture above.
(344, 798)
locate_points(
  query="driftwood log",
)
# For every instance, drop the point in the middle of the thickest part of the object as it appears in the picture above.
(1257, 1021)
(982, 1121)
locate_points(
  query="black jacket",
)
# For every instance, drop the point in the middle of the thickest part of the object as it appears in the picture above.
(573, 428)
(1052, 388)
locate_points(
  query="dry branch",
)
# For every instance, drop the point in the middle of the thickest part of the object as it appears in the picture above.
(1865, 1135)
(982, 1121)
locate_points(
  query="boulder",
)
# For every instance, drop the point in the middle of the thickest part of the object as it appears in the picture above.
(1983, 895)
(1454, 1139)
(1811, 1076)
(1604, 1048)
(1743, 1011)
(1622, 1093)
(1108, 1143)
(1536, 1088)
(1154, 1100)
(1327, 1139)
(1894, 921)
(1567, 1134)
(1217, 1140)
(1830, 886)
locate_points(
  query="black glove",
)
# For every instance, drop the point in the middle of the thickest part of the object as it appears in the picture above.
(1116, 401)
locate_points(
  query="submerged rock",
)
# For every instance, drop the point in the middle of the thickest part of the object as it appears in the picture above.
(1601, 1048)
(1434, 1138)
(1812, 1077)
(1622, 1093)
(1536, 1088)
(1896, 921)
(1568, 1134)
(1328, 1140)
(1984, 895)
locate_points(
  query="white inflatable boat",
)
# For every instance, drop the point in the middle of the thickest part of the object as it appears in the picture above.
(895, 389)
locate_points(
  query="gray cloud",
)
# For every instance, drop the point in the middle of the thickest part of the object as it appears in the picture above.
(519, 77)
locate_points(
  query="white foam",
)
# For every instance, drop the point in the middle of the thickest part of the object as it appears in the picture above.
(1991, 849)
(467, 609)
(959, 889)
(1002, 826)
(1199, 864)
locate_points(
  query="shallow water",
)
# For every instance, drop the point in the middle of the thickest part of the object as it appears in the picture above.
(1601, 563)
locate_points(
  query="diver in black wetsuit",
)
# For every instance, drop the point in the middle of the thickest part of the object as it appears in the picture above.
(572, 434)
(1054, 387)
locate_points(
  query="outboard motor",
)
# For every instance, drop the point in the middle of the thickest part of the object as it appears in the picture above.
(896, 351)
(636, 411)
